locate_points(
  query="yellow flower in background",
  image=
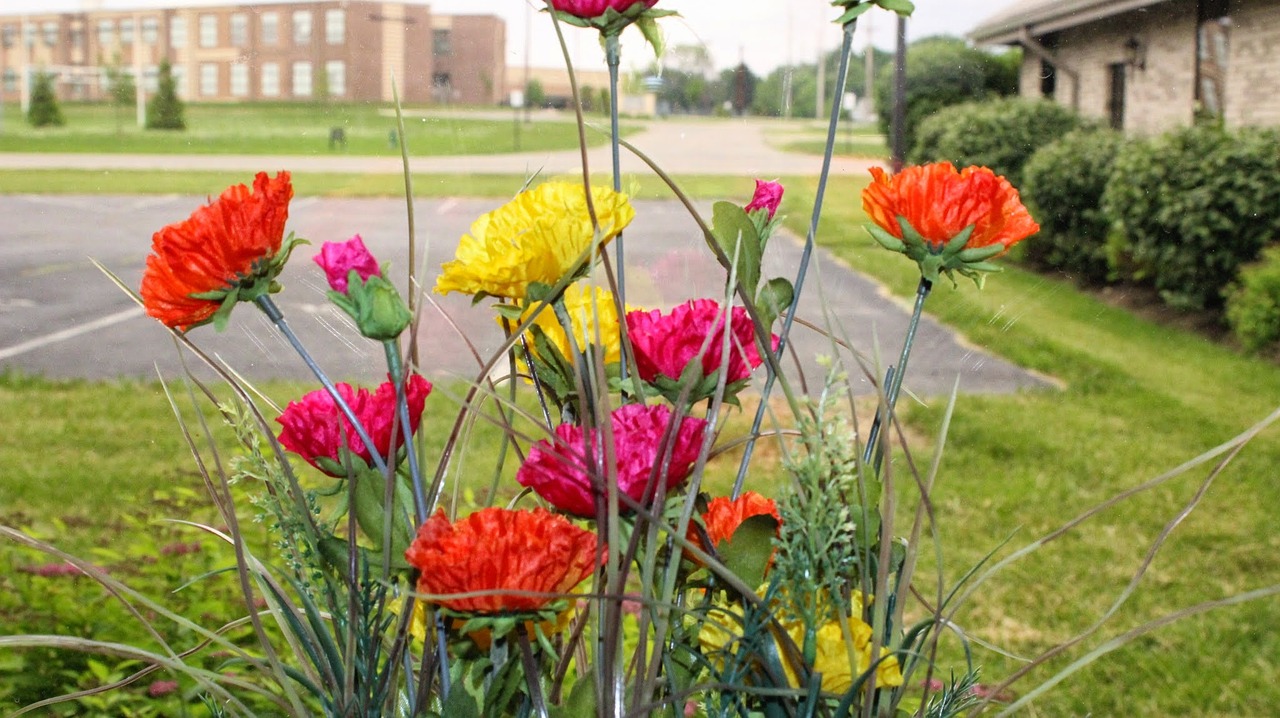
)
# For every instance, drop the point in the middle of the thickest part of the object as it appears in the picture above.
(832, 657)
(594, 314)
(537, 237)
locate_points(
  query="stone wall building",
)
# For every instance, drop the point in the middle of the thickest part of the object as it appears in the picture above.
(1148, 65)
(280, 50)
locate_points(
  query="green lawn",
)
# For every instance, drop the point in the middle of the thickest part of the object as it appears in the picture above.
(1138, 398)
(283, 129)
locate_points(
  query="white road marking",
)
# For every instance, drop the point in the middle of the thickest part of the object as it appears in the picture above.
(70, 333)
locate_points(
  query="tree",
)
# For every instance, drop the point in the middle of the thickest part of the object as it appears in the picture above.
(165, 111)
(44, 110)
(121, 89)
(534, 94)
(941, 71)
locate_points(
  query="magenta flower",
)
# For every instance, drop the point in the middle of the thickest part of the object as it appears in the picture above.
(312, 428)
(666, 343)
(337, 259)
(52, 570)
(557, 470)
(768, 196)
(591, 9)
(159, 689)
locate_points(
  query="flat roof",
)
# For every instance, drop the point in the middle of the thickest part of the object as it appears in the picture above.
(1040, 17)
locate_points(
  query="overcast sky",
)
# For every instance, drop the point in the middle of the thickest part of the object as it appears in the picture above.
(766, 33)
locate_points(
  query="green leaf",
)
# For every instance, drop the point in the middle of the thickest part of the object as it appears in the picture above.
(886, 240)
(652, 33)
(736, 234)
(460, 704)
(582, 699)
(775, 298)
(902, 7)
(749, 551)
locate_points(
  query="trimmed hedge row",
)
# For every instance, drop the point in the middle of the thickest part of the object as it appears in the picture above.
(1183, 212)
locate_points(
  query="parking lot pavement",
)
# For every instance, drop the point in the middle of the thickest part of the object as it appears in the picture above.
(61, 317)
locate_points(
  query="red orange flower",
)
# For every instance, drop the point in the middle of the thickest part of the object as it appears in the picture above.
(533, 555)
(725, 515)
(559, 474)
(310, 426)
(940, 203)
(227, 250)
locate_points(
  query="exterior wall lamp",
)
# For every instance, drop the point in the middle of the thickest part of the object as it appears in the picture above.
(1135, 53)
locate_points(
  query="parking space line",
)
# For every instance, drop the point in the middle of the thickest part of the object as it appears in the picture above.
(70, 333)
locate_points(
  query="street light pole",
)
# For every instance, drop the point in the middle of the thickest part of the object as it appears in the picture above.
(900, 98)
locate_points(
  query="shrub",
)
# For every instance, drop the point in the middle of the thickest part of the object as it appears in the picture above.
(1062, 184)
(941, 71)
(165, 111)
(1000, 134)
(1190, 207)
(1253, 303)
(43, 110)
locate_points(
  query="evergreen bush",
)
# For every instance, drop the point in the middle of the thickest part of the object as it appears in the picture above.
(1190, 207)
(1062, 185)
(1253, 303)
(165, 110)
(44, 110)
(1001, 134)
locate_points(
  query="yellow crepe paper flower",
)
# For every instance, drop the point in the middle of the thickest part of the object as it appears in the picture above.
(537, 237)
(724, 626)
(594, 314)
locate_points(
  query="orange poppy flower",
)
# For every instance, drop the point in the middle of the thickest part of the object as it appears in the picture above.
(940, 203)
(227, 250)
(535, 554)
(725, 515)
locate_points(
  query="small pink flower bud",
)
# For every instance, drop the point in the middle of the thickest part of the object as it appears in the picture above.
(337, 259)
(768, 196)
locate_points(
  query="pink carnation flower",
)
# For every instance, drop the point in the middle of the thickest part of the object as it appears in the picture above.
(767, 197)
(591, 9)
(159, 689)
(337, 259)
(311, 424)
(556, 470)
(666, 343)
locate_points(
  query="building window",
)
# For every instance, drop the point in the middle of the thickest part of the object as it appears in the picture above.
(8, 35)
(239, 29)
(270, 28)
(302, 27)
(151, 78)
(126, 32)
(177, 32)
(208, 31)
(106, 33)
(49, 33)
(302, 79)
(441, 43)
(208, 79)
(270, 79)
(1212, 46)
(150, 30)
(10, 79)
(335, 76)
(335, 27)
(1116, 94)
(1048, 79)
(77, 38)
(240, 80)
(179, 75)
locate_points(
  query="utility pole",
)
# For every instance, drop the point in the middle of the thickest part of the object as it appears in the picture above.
(822, 75)
(868, 95)
(528, 40)
(140, 94)
(25, 87)
(900, 98)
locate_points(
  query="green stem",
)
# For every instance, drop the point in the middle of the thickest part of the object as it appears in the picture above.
(613, 56)
(398, 376)
(842, 77)
(273, 313)
(895, 376)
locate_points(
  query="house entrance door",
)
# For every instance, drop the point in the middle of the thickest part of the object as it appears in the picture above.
(1115, 102)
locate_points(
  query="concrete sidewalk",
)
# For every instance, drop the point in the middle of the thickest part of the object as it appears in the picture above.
(684, 146)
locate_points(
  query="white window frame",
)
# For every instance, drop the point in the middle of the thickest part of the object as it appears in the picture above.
(150, 30)
(270, 79)
(301, 25)
(178, 31)
(335, 77)
(209, 79)
(239, 31)
(270, 24)
(239, 79)
(335, 26)
(302, 84)
(208, 30)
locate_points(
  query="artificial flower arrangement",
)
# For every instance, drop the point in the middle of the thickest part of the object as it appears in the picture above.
(613, 582)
